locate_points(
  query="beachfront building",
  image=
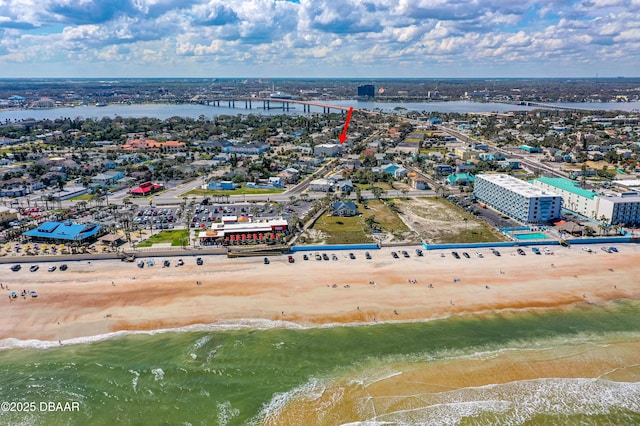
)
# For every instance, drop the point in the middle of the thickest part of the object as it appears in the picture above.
(64, 232)
(243, 229)
(574, 198)
(517, 199)
(620, 209)
(7, 214)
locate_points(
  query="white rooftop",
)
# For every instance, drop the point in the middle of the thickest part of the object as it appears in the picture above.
(516, 185)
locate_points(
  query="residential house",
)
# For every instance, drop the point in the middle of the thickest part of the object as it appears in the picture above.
(106, 179)
(345, 209)
(345, 185)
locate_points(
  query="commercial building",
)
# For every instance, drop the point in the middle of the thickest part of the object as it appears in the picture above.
(366, 91)
(517, 199)
(64, 232)
(243, 228)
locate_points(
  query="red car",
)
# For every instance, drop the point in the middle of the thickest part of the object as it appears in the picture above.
(291, 259)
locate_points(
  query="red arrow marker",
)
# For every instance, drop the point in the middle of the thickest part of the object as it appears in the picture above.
(343, 136)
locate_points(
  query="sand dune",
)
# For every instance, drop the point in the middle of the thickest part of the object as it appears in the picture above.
(82, 301)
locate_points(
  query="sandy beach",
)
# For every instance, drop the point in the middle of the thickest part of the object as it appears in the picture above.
(98, 297)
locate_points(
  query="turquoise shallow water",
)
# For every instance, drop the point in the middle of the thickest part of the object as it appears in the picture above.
(244, 376)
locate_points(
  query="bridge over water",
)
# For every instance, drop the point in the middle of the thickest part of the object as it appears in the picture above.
(277, 103)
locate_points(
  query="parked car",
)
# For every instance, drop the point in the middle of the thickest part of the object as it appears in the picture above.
(325, 256)
(63, 267)
(405, 253)
(479, 255)
(180, 262)
(305, 257)
(587, 249)
(52, 268)
(318, 257)
(34, 268)
(613, 249)
(334, 257)
(166, 264)
(465, 254)
(16, 267)
(419, 252)
(291, 259)
(266, 260)
(605, 249)
(497, 253)
(199, 261)
(367, 255)
(521, 252)
(33, 294)
(395, 255)
(547, 251)
(536, 250)
(455, 254)
(352, 256)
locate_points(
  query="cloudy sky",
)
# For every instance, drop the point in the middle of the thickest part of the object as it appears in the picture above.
(319, 38)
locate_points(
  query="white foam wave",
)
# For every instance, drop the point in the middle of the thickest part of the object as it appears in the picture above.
(158, 374)
(270, 412)
(519, 402)
(134, 381)
(226, 413)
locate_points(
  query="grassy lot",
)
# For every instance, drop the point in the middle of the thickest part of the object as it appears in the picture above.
(177, 237)
(238, 191)
(353, 230)
(343, 230)
(388, 220)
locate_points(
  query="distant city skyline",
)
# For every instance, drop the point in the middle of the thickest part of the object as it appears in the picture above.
(319, 39)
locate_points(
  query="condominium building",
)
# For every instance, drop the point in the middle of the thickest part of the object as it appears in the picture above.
(517, 199)
(574, 198)
(623, 208)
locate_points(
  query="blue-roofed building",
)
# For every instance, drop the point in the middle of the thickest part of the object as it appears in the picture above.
(64, 232)
(345, 208)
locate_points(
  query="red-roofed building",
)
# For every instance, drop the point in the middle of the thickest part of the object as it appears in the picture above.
(146, 188)
(152, 145)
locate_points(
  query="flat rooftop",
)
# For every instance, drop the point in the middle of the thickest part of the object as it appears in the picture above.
(516, 185)
(567, 185)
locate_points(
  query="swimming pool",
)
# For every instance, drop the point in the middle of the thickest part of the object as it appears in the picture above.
(531, 236)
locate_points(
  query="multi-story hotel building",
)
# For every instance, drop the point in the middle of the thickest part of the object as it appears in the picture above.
(621, 208)
(517, 199)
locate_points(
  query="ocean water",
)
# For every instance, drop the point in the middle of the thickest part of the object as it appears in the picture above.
(502, 368)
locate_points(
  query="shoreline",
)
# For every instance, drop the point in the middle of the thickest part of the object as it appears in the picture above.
(109, 298)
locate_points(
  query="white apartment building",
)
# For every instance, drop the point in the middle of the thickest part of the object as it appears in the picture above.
(517, 199)
(327, 149)
(574, 198)
(621, 208)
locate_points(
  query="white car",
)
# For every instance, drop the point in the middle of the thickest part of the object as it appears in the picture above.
(587, 249)
(547, 251)
(480, 256)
